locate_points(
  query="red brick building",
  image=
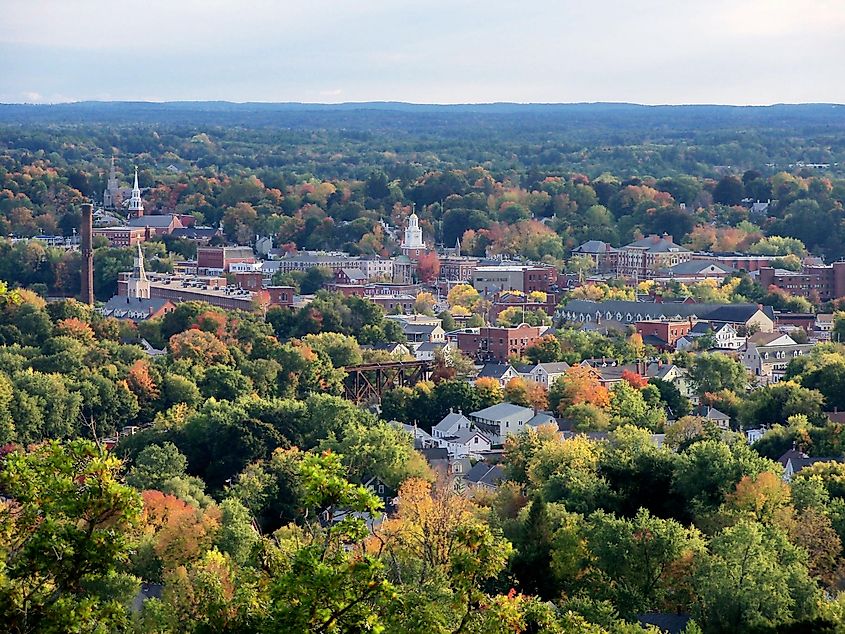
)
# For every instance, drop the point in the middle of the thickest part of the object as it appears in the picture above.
(739, 261)
(122, 236)
(281, 295)
(497, 344)
(661, 333)
(818, 283)
(219, 259)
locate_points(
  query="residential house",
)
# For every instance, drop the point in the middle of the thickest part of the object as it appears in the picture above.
(547, 373)
(417, 332)
(394, 349)
(823, 326)
(720, 419)
(427, 350)
(422, 439)
(451, 424)
(502, 372)
(388, 495)
(724, 336)
(542, 418)
(766, 355)
(794, 461)
(499, 421)
(484, 476)
(466, 443)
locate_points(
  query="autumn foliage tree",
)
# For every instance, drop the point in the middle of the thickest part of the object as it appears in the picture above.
(526, 393)
(428, 267)
(578, 385)
(197, 346)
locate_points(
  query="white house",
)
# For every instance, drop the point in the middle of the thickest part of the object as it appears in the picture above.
(547, 373)
(725, 336)
(467, 443)
(451, 424)
(502, 372)
(499, 421)
(766, 355)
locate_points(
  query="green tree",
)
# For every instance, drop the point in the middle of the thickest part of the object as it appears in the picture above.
(156, 464)
(325, 582)
(714, 372)
(753, 578)
(65, 527)
(640, 562)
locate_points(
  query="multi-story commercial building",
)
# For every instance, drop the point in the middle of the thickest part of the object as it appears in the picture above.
(218, 260)
(748, 316)
(497, 344)
(663, 333)
(122, 236)
(818, 283)
(738, 261)
(604, 256)
(457, 268)
(643, 258)
(489, 280)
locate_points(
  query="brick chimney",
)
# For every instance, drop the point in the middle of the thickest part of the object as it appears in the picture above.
(86, 231)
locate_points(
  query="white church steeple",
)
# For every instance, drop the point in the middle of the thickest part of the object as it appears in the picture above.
(138, 285)
(136, 205)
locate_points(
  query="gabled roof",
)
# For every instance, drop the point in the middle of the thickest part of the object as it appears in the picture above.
(483, 473)
(696, 267)
(503, 411)
(542, 418)
(657, 244)
(595, 247)
(450, 421)
(158, 222)
(713, 414)
(431, 346)
(702, 327)
(553, 368)
(465, 435)
(412, 328)
(495, 370)
(134, 308)
(768, 338)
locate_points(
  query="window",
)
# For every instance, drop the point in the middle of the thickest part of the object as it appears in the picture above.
(381, 488)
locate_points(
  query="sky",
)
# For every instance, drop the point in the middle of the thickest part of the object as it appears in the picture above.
(424, 51)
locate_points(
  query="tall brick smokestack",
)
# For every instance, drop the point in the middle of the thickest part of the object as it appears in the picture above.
(87, 247)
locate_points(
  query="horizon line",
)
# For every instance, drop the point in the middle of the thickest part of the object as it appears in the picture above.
(420, 104)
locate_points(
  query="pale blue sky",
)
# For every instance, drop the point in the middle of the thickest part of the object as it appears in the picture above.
(429, 51)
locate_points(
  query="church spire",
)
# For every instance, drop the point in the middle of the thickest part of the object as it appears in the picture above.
(457, 247)
(139, 285)
(136, 205)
